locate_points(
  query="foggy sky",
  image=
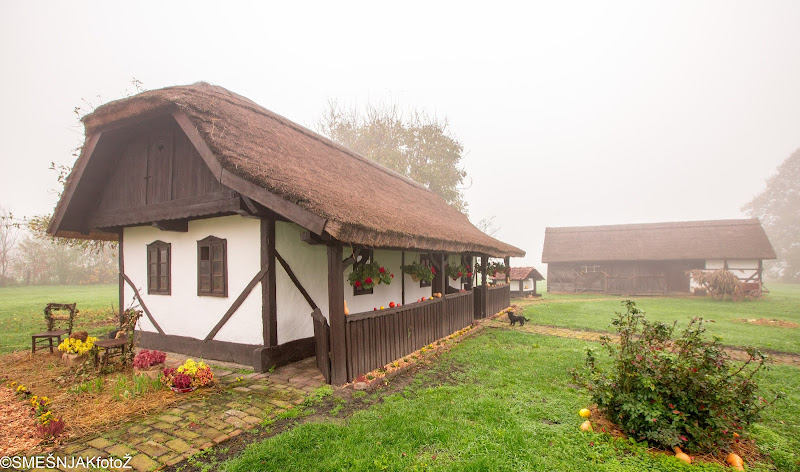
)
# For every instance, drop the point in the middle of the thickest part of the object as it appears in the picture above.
(571, 113)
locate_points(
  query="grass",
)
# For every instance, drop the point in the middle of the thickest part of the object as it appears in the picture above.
(585, 311)
(21, 311)
(499, 401)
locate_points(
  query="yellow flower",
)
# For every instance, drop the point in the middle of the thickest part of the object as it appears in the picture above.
(45, 417)
(21, 389)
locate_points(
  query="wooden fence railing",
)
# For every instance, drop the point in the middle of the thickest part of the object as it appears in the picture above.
(499, 299)
(322, 338)
(377, 338)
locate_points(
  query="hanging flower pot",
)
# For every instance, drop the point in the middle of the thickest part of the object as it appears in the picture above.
(415, 277)
(419, 271)
(369, 275)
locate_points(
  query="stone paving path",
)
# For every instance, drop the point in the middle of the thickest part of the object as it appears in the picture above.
(738, 354)
(242, 401)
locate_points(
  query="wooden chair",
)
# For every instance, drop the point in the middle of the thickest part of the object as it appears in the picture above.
(122, 343)
(54, 322)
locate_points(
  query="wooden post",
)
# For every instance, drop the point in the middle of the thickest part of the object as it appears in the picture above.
(269, 309)
(485, 295)
(442, 288)
(507, 261)
(402, 278)
(121, 279)
(336, 315)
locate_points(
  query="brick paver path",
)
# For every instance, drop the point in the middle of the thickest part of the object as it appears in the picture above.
(243, 401)
(738, 354)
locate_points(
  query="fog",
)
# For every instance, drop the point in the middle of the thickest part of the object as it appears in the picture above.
(571, 113)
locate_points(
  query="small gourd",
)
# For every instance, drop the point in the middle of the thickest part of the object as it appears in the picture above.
(586, 426)
(346, 310)
(682, 455)
(735, 461)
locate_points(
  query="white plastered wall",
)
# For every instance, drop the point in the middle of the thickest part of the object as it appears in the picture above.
(183, 312)
(309, 263)
(413, 291)
(743, 269)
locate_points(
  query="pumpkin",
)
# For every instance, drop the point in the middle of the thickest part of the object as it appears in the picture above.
(346, 310)
(586, 426)
(735, 461)
(682, 455)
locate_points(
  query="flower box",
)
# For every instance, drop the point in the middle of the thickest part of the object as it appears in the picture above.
(153, 372)
(73, 360)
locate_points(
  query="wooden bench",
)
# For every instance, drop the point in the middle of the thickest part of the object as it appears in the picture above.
(37, 340)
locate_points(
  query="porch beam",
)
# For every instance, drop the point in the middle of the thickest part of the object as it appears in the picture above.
(269, 307)
(336, 315)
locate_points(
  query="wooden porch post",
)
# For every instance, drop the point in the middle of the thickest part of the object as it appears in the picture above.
(442, 288)
(484, 288)
(336, 315)
(507, 261)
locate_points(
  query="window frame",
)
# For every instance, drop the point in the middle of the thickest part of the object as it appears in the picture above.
(159, 246)
(426, 260)
(211, 242)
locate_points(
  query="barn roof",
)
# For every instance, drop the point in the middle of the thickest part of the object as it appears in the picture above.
(522, 273)
(716, 239)
(356, 200)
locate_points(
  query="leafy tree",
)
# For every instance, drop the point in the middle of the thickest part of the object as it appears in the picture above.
(9, 231)
(778, 208)
(417, 145)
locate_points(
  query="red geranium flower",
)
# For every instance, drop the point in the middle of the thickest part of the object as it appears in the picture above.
(459, 274)
(382, 270)
(368, 280)
(433, 270)
(357, 284)
(469, 274)
(392, 275)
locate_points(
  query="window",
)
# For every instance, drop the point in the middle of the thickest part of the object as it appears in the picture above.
(425, 259)
(364, 257)
(158, 268)
(212, 267)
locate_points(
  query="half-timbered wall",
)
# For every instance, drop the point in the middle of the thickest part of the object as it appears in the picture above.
(183, 312)
(309, 264)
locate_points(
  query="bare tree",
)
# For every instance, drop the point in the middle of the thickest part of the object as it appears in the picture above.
(488, 226)
(9, 231)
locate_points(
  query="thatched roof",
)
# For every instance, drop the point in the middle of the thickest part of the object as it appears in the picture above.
(522, 273)
(717, 239)
(360, 201)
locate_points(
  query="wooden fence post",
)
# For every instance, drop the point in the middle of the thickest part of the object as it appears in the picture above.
(484, 287)
(336, 315)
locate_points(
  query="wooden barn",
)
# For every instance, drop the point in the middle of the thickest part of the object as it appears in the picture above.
(238, 230)
(651, 259)
(523, 281)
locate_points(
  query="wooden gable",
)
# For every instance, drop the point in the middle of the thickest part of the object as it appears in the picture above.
(147, 174)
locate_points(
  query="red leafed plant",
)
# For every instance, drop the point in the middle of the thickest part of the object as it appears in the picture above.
(181, 380)
(145, 359)
(50, 429)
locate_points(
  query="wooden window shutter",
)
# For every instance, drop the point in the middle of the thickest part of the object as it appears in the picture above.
(159, 269)
(212, 267)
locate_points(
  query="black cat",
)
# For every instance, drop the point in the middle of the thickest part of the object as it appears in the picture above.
(514, 318)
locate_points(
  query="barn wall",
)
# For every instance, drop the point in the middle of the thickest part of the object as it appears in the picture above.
(744, 269)
(184, 313)
(617, 277)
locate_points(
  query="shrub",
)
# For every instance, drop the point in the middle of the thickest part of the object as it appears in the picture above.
(145, 358)
(684, 392)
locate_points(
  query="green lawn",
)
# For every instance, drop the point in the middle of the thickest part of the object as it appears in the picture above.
(783, 303)
(507, 404)
(21, 310)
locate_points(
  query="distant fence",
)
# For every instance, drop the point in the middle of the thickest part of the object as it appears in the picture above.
(499, 298)
(377, 338)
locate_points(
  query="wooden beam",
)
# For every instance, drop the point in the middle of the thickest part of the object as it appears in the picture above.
(178, 226)
(175, 209)
(296, 282)
(443, 282)
(121, 259)
(237, 303)
(336, 315)
(507, 261)
(276, 203)
(269, 304)
(141, 303)
(402, 277)
(485, 295)
(312, 239)
(72, 183)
